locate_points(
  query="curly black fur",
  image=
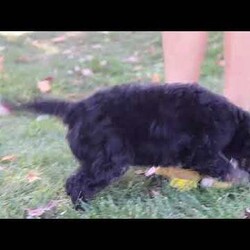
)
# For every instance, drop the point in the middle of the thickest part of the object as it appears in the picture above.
(144, 124)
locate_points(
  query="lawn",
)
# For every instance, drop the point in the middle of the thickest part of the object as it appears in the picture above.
(32, 180)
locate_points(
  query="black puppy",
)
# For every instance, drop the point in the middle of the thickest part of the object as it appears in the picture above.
(144, 124)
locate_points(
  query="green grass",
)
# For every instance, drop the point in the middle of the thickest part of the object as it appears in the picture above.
(40, 145)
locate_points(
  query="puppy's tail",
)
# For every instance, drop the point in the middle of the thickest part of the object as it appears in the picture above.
(53, 107)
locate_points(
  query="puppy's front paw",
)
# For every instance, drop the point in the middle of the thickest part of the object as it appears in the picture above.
(74, 190)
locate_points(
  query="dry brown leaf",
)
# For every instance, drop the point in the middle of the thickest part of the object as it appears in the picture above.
(151, 171)
(132, 59)
(87, 72)
(2, 168)
(103, 63)
(8, 158)
(156, 78)
(247, 213)
(96, 46)
(151, 50)
(38, 212)
(1, 64)
(77, 68)
(33, 176)
(35, 212)
(153, 193)
(137, 68)
(4, 110)
(59, 39)
(221, 61)
(45, 85)
(76, 96)
(140, 172)
(46, 46)
(23, 59)
(75, 33)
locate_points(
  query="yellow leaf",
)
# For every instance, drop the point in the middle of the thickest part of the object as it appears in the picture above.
(47, 47)
(156, 78)
(8, 158)
(183, 184)
(33, 176)
(45, 85)
(180, 173)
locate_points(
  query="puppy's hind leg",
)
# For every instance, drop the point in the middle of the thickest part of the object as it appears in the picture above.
(105, 163)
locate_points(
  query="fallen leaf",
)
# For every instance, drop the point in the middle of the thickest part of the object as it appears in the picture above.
(35, 212)
(76, 96)
(172, 172)
(151, 171)
(8, 158)
(2, 168)
(14, 33)
(137, 68)
(140, 172)
(62, 213)
(33, 176)
(67, 51)
(75, 34)
(156, 78)
(183, 184)
(47, 47)
(59, 39)
(70, 72)
(87, 72)
(23, 59)
(151, 50)
(45, 85)
(103, 63)
(51, 205)
(221, 61)
(1, 64)
(4, 110)
(153, 193)
(96, 46)
(71, 56)
(38, 212)
(132, 59)
(77, 69)
(89, 58)
(247, 213)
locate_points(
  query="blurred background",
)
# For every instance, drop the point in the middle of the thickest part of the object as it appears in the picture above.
(78, 63)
